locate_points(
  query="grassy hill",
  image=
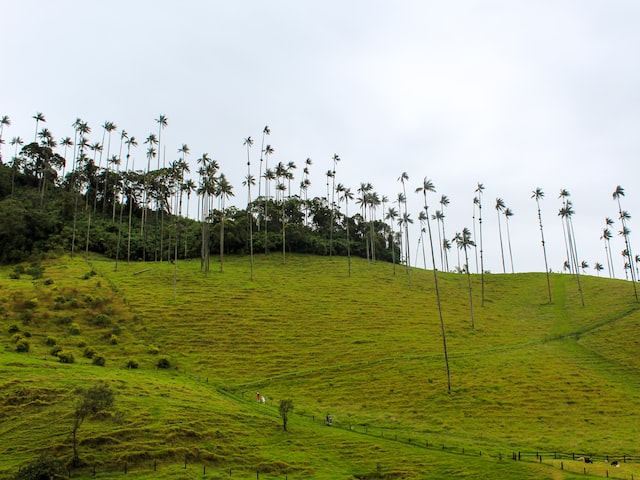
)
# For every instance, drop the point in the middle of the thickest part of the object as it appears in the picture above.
(530, 378)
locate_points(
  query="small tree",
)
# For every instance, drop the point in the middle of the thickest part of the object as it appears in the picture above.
(286, 407)
(91, 402)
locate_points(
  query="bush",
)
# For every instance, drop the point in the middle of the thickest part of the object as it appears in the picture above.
(99, 361)
(50, 341)
(35, 270)
(14, 276)
(13, 329)
(88, 275)
(102, 320)
(56, 350)
(132, 364)
(163, 362)
(113, 340)
(48, 281)
(153, 350)
(16, 337)
(23, 346)
(44, 467)
(65, 357)
(89, 352)
(74, 329)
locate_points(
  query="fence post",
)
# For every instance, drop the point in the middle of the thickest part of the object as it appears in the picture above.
(185, 462)
(204, 469)
(154, 465)
(125, 467)
(561, 465)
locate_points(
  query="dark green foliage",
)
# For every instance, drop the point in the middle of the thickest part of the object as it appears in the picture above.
(55, 351)
(13, 329)
(35, 270)
(43, 468)
(74, 329)
(102, 320)
(98, 360)
(23, 346)
(65, 356)
(89, 352)
(285, 408)
(163, 362)
(50, 341)
(132, 364)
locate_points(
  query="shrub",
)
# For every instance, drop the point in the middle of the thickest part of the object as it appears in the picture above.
(15, 338)
(66, 357)
(74, 329)
(13, 329)
(66, 320)
(27, 334)
(50, 341)
(89, 352)
(163, 362)
(82, 344)
(26, 316)
(132, 364)
(113, 340)
(102, 320)
(23, 346)
(88, 275)
(48, 281)
(99, 361)
(14, 276)
(35, 270)
(56, 350)
(153, 350)
(43, 467)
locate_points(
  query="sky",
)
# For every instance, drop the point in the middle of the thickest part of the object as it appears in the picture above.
(514, 95)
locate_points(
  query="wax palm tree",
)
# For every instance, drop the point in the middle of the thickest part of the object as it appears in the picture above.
(598, 268)
(457, 239)
(479, 190)
(38, 117)
(363, 201)
(624, 218)
(346, 195)
(584, 265)
(444, 202)
(5, 121)
(464, 242)
(538, 195)
(404, 177)
(476, 201)
(268, 176)
(500, 206)
(422, 218)
(392, 215)
(81, 130)
(250, 180)
(127, 188)
(508, 213)
(15, 161)
(438, 217)
(265, 131)
(567, 213)
(224, 190)
(427, 186)
(335, 160)
(606, 237)
(66, 142)
(109, 127)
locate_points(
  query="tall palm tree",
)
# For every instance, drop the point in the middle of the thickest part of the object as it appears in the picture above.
(391, 215)
(15, 161)
(422, 218)
(444, 202)
(508, 213)
(598, 267)
(363, 201)
(538, 194)
(38, 117)
(572, 262)
(108, 127)
(335, 160)
(463, 240)
(439, 218)
(500, 206)
(427, 186)
(564, 195)
(5, 121)
(66, 142)
(152, 141)
(346, 195)
(265, 131)
(248, 142)
(479, 190)
(404, 177)
(268, 176)
(224, 190)
(476, 201)
(624, 217)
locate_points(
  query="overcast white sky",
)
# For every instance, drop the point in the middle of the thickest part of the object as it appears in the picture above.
(513, 94)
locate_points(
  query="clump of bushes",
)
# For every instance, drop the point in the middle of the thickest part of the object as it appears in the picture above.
(88, 275)
(50, 341)
(43, 467)
(74, 329)
(13, 329)
(102, 320)
(113, 340)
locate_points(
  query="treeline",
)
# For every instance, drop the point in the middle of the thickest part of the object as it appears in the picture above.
(134, 215)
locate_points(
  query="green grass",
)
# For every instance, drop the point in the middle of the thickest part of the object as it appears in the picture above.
(531, 377)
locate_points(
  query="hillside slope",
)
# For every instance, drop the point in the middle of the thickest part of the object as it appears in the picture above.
(366, 348)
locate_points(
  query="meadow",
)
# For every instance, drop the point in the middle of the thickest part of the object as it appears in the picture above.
(547, 382)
